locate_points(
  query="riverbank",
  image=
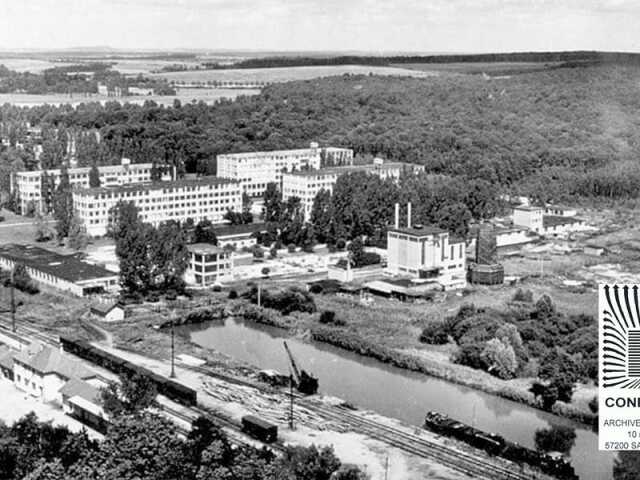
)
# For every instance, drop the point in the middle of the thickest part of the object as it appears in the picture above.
(415, 357)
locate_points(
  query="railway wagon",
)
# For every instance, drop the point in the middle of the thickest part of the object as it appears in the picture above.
(174, 390)
(260, 429)
(496, 445)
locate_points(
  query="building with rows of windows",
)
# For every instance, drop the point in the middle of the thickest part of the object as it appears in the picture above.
(208, 265)
(200, 198)
(254, 170)
(28, 185)
(306, 184)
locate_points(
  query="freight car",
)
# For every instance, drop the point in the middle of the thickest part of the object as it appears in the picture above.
(497, 445)
(260, 429)
(174, 390)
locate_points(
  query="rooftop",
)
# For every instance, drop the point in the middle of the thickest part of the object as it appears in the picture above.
(67, 267)
(50, 360)
(104, 307)
(562, 208)
(553, 220)
(80, 388)
(419, 230)
(6, 357)
(148, 186)
(243, 229)
(527, 208)
(298, 151)
(352, 168)
(102, 168)
(204, 248)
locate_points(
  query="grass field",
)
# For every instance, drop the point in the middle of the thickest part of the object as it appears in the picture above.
(478, 67)
(284, 74)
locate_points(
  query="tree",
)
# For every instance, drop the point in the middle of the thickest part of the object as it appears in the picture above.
(322, 217)
(47, 190)
(77, 238)
(272, 209)
(169, 256)
(247, 216)
(292, 221)
(557, 438)
(500, 358)
(356, 252)
(132, 394)
(626, 465)
(43, 230)
(63, 204)
(156, 172)
(94, 176)
(307, 463)
(204, 232)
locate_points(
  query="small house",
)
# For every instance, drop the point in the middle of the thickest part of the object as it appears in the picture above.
(108, 312)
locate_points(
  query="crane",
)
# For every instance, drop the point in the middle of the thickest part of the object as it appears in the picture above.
(304, 382)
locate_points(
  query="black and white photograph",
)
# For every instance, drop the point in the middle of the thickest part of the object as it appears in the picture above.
(319, 240)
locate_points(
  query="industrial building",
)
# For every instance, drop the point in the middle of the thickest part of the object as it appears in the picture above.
(199, 199)
(426, 253)
(533, 218)
(63, 272)
(239, 236)
(254, 170)
(28, 184)
(208, 265)
(306, 184)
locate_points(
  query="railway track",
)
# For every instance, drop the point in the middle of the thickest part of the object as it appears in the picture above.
(23, 330)
(474, 467)
(463, 462)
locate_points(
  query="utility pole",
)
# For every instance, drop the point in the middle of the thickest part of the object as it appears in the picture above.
(259, 292)
(386, 467)
(13, 303)
(173, 368)
(291, 425)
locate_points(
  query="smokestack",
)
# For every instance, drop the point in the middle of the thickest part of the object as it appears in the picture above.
(409, 215)
(397, 217)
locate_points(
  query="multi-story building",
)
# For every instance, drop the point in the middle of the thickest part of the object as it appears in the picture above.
(561, 222)
(426, 253)
(208, 265)
(28, 184)
(254, 170)
(306, 184)
(199, 199)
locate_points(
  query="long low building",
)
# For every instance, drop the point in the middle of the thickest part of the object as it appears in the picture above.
(306, 184)
(254, 170)
(199, 199)
(63, 272)
(27, 185)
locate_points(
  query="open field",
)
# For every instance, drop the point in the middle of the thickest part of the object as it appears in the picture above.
(478, 67)
(285, 74)
(185, 95)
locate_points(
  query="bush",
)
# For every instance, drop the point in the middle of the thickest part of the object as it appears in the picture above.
(470, 354)
(435, 333)
(329, 317)
(316, 288)
(233, 294)
(523, 296)
(22, 281)
(341, 244)
(558, 438)
(216, 288)
(273, 253)
(257, 251)
(291, 248)
(1, 218)
(593, 405)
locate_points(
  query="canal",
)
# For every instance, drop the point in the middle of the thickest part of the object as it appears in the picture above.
(394, 392)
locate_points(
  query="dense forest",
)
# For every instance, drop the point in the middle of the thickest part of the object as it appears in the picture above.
(568, 58)
(556, 135)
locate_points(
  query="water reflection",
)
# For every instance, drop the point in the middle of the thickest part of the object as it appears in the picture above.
(394, 392)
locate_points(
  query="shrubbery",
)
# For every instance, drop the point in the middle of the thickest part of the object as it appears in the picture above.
(435, 333)
(21, 280)
(329, 317)
(293, 299)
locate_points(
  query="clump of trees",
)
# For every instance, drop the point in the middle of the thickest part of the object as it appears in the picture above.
(557, 438)
(292, 299)
(21, 280)
(151, 259)
(535, 340)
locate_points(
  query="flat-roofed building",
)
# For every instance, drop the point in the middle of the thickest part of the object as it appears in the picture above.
(28, 184)
(427, 253)
(239, 236)
(254, 170)
(306, 184)
(528, 216)
(208, 265)
(199, 199)
(63, 272)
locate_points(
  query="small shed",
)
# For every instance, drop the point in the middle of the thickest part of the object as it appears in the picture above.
(594, 250)
(108, 312)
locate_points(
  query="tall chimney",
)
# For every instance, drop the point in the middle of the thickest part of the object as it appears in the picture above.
(409, 215)
(397, 217)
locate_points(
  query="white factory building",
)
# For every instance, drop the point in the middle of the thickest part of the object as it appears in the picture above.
(28, 184)
(306, 184)
(254, 170)
(199, 199)
(208, 265)
(536, 219)
(426, 253)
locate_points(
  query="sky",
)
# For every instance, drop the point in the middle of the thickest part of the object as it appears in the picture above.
(324, 25)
